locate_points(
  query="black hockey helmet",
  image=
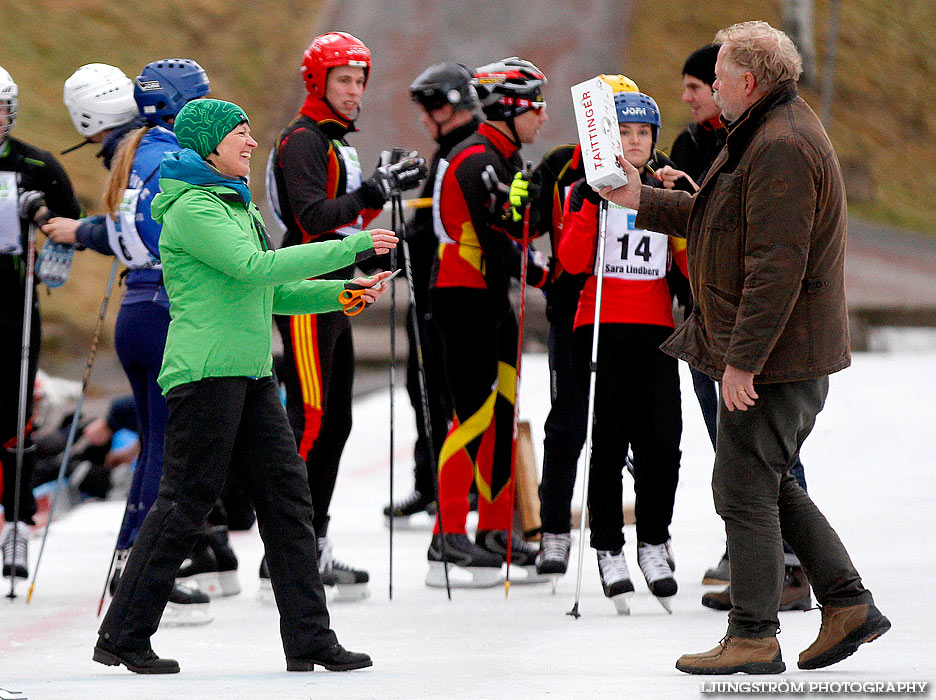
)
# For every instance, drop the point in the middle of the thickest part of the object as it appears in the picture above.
(442, 84)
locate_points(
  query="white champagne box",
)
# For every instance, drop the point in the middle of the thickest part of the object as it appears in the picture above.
(598, 132)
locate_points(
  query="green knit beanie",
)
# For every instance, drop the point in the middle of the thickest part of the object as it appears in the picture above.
(202, 124)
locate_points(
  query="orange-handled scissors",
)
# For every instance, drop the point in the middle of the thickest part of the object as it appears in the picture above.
(352, 298)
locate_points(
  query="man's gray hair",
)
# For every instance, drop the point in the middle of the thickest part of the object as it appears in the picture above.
(767, 53)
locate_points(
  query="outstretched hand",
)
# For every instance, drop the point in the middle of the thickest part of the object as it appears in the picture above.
(384, 240)
(373, 285)
(627, 195)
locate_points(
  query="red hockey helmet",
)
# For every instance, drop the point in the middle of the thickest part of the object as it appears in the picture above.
(328, 51)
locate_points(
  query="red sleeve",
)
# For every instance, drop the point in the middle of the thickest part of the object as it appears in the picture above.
(579, 232)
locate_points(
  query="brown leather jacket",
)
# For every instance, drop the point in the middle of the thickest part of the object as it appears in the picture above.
(766, 248)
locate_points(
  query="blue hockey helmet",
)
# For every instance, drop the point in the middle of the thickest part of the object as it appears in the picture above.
(164, 87)
(639, 108)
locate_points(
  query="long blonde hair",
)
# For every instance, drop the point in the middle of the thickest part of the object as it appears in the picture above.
(120, 170)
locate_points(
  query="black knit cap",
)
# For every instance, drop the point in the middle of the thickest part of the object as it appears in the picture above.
(701, 63)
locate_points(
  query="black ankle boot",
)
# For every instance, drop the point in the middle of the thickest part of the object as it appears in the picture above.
(136, 661)
(333, 658)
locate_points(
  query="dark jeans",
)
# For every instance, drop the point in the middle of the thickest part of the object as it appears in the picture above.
(637, 405)
(565, 433)
(217, 426)
(706, 391)
(762, 504)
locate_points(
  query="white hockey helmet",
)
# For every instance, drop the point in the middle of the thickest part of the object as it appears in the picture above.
(8, 103)
(99, 97)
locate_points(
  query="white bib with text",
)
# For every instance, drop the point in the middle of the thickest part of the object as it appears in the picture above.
(10, 240)
(632, 253)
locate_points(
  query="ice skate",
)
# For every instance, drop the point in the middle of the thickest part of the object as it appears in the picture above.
(349, 584)
(656, 563)
(522, 555)
(120, 562)
(212, 565)
(187, 606)
(615, 579)
(553, 558)
(403, 512)
(15, 557)
(469, 566)
(200, 570)
(265, 592)
(220, 545)
(720, 574)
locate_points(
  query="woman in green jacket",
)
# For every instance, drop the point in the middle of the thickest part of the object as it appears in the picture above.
(225, 415)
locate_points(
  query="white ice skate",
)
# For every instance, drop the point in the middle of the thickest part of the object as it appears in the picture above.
(615, 579)
(657, 564)
(553, 558)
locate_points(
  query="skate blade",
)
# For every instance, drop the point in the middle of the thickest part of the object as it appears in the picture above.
(554, 580)
(622, 603)
(463, 576)
(176, 615)
(528, 576)
(208, 583)
(228, 583)
(265, 593)
(347, 592)
(667, 603)
(418, 521)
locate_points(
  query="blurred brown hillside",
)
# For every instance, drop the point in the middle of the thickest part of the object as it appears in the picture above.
(251, 52)
(883, 123)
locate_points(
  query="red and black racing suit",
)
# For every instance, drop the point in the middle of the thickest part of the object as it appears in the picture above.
(476, 259)
(311, 166)
(422, 247)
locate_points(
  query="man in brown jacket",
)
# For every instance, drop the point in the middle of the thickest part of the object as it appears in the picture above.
(766, 246)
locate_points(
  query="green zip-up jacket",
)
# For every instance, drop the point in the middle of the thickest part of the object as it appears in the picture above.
(224, 283)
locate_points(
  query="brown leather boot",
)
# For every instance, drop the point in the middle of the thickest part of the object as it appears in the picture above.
(735, 655)
(842, 631)
(794, 596)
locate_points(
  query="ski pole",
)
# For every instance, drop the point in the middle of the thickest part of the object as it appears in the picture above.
(74, 424)
(110, 567)
(423, 394)
(30, 203)
(393, 265)
(592, 378)
(524, 265)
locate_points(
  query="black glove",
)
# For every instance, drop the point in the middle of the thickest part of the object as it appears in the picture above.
(30, 203)
(401, 176)
(590, 194)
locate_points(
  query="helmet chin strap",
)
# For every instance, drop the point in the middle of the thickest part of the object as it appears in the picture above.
(440, 124)
(513, 128)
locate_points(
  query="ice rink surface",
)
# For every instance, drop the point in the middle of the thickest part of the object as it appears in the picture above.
(869, 465)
